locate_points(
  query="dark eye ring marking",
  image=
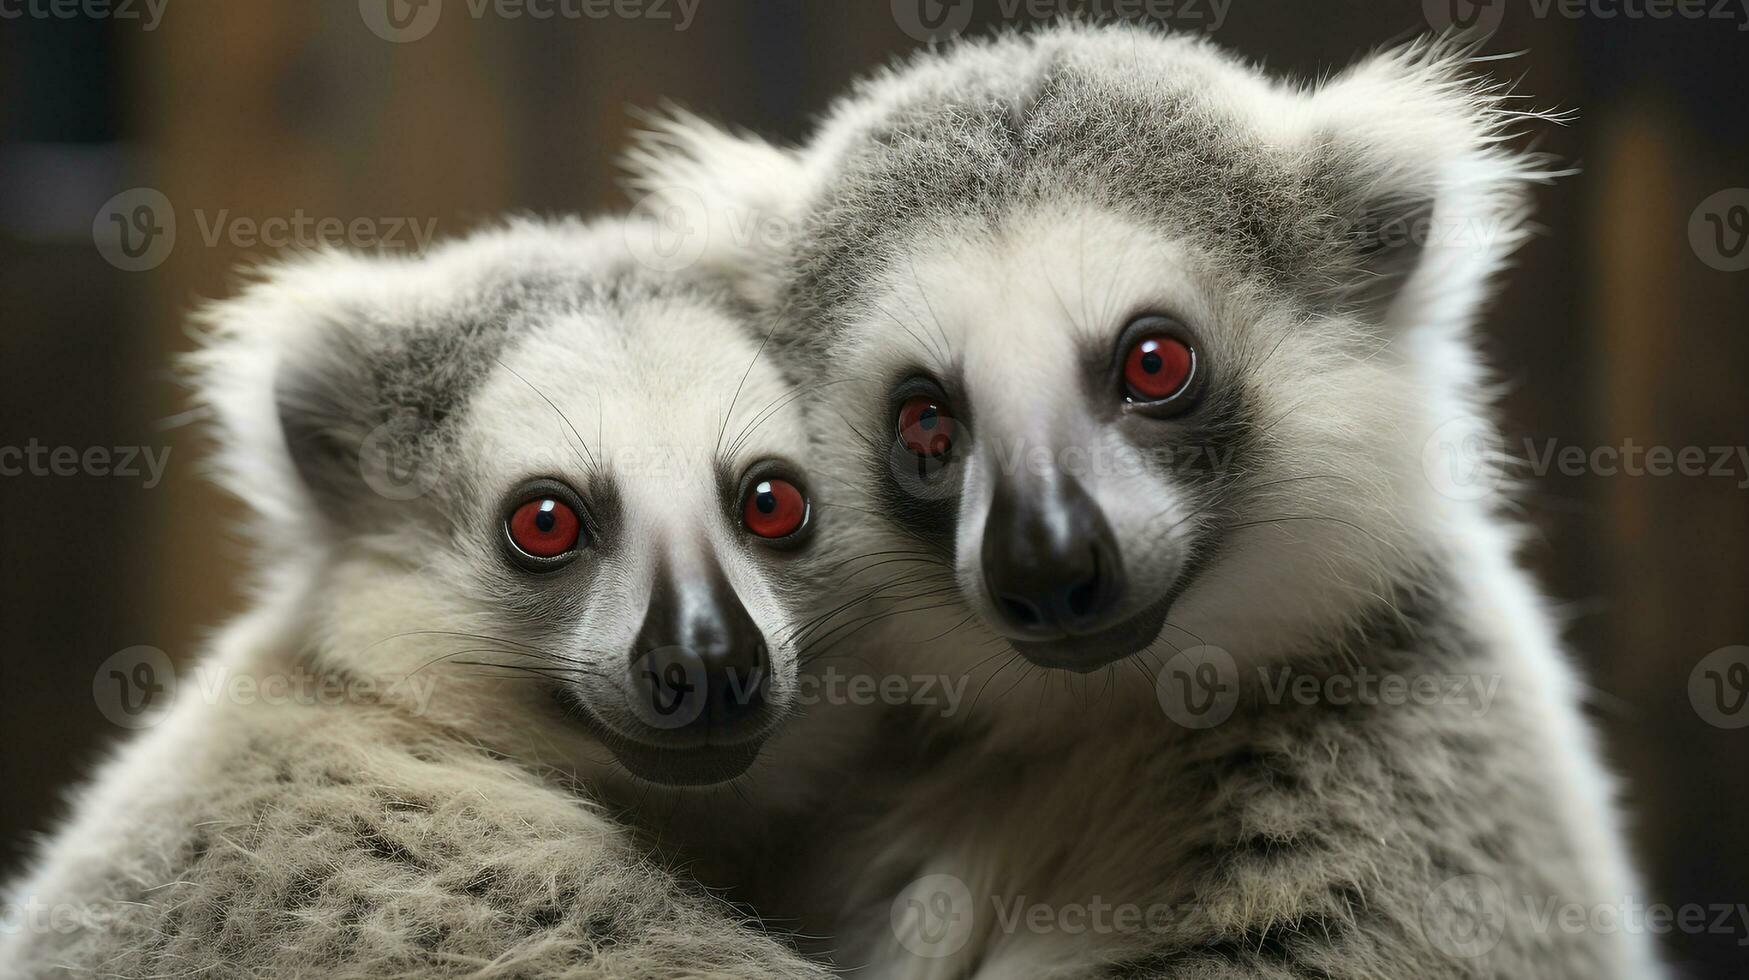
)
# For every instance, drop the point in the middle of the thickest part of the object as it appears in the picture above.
(925, 424)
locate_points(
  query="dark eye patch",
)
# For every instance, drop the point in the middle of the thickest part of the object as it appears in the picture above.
(919, 493)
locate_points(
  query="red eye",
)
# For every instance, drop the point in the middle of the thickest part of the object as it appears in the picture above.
(775, 509)
(1158, 368)
(545, 527)
(925, 428)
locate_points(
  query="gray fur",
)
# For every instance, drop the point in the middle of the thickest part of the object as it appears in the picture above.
(411, 797)
(992, 215)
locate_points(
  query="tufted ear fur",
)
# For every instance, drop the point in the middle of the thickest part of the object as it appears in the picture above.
(1429, 199)
(736, 198)
(325, 414)
(352, 438)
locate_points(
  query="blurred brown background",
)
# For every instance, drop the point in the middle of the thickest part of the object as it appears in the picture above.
(1616, 324)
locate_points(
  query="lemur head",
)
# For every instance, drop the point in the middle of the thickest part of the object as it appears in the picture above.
(560, 489)
(1145, 344)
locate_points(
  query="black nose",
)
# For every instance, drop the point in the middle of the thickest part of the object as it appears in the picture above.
(1050, 560)
(699, 665)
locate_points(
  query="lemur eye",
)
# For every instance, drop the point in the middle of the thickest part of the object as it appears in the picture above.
(545, 527)
(925, 427)
(774, 509)
(1158, 368)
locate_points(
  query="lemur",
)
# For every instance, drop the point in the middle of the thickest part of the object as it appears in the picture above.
(1150, 359)
(533, 535)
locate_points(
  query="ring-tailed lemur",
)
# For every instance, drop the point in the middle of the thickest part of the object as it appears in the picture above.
(515, 500)
(1149, 354)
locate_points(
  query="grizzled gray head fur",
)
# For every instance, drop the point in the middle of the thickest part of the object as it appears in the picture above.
(1143, 347)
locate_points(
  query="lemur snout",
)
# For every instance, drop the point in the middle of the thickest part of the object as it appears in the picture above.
(699, 666)
(1050, 560)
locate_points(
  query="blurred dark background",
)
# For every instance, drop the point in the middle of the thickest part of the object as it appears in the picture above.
(1617, 324)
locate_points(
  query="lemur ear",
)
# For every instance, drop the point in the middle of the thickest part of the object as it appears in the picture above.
(722, 202)
(1427, 199)
(353, 445)
(324, 416)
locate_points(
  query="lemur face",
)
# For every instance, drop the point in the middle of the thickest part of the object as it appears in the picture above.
(1074, 438)
(646, 553)
(568, 490)
(1130, 334)
(1100, 429)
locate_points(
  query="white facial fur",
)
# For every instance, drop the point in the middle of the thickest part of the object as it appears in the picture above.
(1013, 312)
(571, 363)
(994, 213)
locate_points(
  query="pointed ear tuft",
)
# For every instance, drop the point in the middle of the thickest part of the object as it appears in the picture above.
(318, 425)
(730, 202)
(1429, 197)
